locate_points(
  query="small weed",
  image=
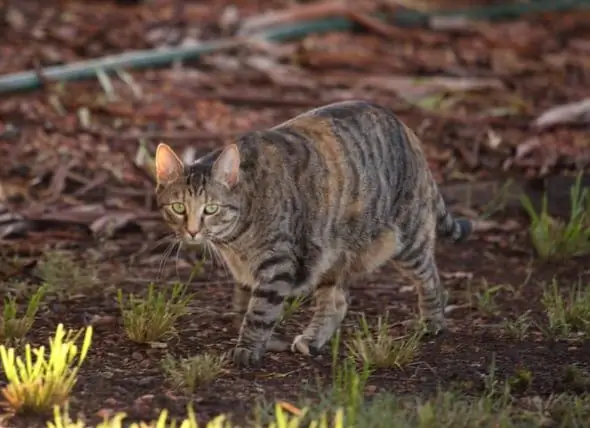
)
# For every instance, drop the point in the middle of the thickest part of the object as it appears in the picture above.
(567, 410)
(348, 384)
(291, 306)
(63, 276)
(150, 319)
(519, 327)
(500, 199)
(37, 383)
(521, 380)
(14, 328)
(575, 379)
(189, 373)
(450, 410)
(485, 300)
(380, 349)
(554, 239)
(567, 314)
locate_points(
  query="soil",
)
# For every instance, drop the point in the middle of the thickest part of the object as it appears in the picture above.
(68, 181)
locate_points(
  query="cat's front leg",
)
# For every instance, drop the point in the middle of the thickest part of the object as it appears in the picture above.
(240, 301)
(275, 276)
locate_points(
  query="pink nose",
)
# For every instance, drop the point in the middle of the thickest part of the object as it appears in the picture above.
(193, 233)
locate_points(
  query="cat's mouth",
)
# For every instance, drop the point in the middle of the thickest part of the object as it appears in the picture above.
(193, 240)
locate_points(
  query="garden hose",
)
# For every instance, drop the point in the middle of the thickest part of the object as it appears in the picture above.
(138, 59)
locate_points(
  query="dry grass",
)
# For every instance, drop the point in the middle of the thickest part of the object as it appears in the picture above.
(187, 374)
(379, 349)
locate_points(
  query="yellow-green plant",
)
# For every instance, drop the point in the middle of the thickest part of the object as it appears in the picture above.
(284, 420)
(150, 319)
(13, 327)
(190, 422)
(61, 419)
(557, 240)
(37, 382)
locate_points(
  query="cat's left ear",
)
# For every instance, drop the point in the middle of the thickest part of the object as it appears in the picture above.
(168, 166)
(226, 168)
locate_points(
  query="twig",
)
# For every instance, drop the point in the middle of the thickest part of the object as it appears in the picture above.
(297, 14)
(376, 25)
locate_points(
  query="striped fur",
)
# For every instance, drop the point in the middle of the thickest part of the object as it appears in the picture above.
(310, 206)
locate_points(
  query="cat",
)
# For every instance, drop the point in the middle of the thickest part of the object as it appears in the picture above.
(309, 206)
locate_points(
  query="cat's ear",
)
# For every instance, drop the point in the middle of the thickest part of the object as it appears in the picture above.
(226, 168)
(168, 166)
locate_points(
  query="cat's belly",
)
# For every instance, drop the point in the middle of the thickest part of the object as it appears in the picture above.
(366, 259)
(377, 252)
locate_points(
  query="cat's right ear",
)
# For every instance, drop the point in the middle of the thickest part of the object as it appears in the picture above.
(168, 166)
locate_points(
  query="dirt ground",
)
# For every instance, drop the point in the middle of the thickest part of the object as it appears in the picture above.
(71, 183)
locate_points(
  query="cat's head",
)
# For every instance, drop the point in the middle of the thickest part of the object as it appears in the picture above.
(201, 203)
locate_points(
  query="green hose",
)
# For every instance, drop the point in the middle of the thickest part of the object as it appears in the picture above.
(149, 58)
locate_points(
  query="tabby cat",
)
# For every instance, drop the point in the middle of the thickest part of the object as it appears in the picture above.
(308, 206)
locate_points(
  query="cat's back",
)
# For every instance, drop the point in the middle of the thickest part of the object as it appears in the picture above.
(362, 132)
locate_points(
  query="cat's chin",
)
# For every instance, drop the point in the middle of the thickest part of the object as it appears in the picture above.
(192, 242)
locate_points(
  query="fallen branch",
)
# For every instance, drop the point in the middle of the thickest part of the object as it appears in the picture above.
(578, 112)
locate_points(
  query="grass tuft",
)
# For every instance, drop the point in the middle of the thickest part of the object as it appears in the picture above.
(569, 313)
(189, 373)
(37, 382)
(379, 349)
(63, 276)
(291, 306)
(14, 328)
(152, 318)
(554, 239)
(519, 327)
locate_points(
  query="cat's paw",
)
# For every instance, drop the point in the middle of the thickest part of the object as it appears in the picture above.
(277, 344)
(303, 345)
(426, 327)
(245, 357)
(434, 326)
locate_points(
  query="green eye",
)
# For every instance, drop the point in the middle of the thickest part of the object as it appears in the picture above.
(178, 208)
(211, 209)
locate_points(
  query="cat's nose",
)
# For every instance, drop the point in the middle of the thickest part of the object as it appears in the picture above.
(193, 232)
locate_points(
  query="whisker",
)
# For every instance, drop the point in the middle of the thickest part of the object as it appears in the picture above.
(177, 258)
(218, 259)
(162, 240)
(165, 257)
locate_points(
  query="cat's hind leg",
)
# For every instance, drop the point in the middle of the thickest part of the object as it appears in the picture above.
(420, 267)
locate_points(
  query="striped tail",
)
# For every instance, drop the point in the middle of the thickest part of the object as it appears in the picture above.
(458, 229)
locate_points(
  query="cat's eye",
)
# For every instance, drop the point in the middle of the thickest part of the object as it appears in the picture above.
(178, 208)
(211, 209)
